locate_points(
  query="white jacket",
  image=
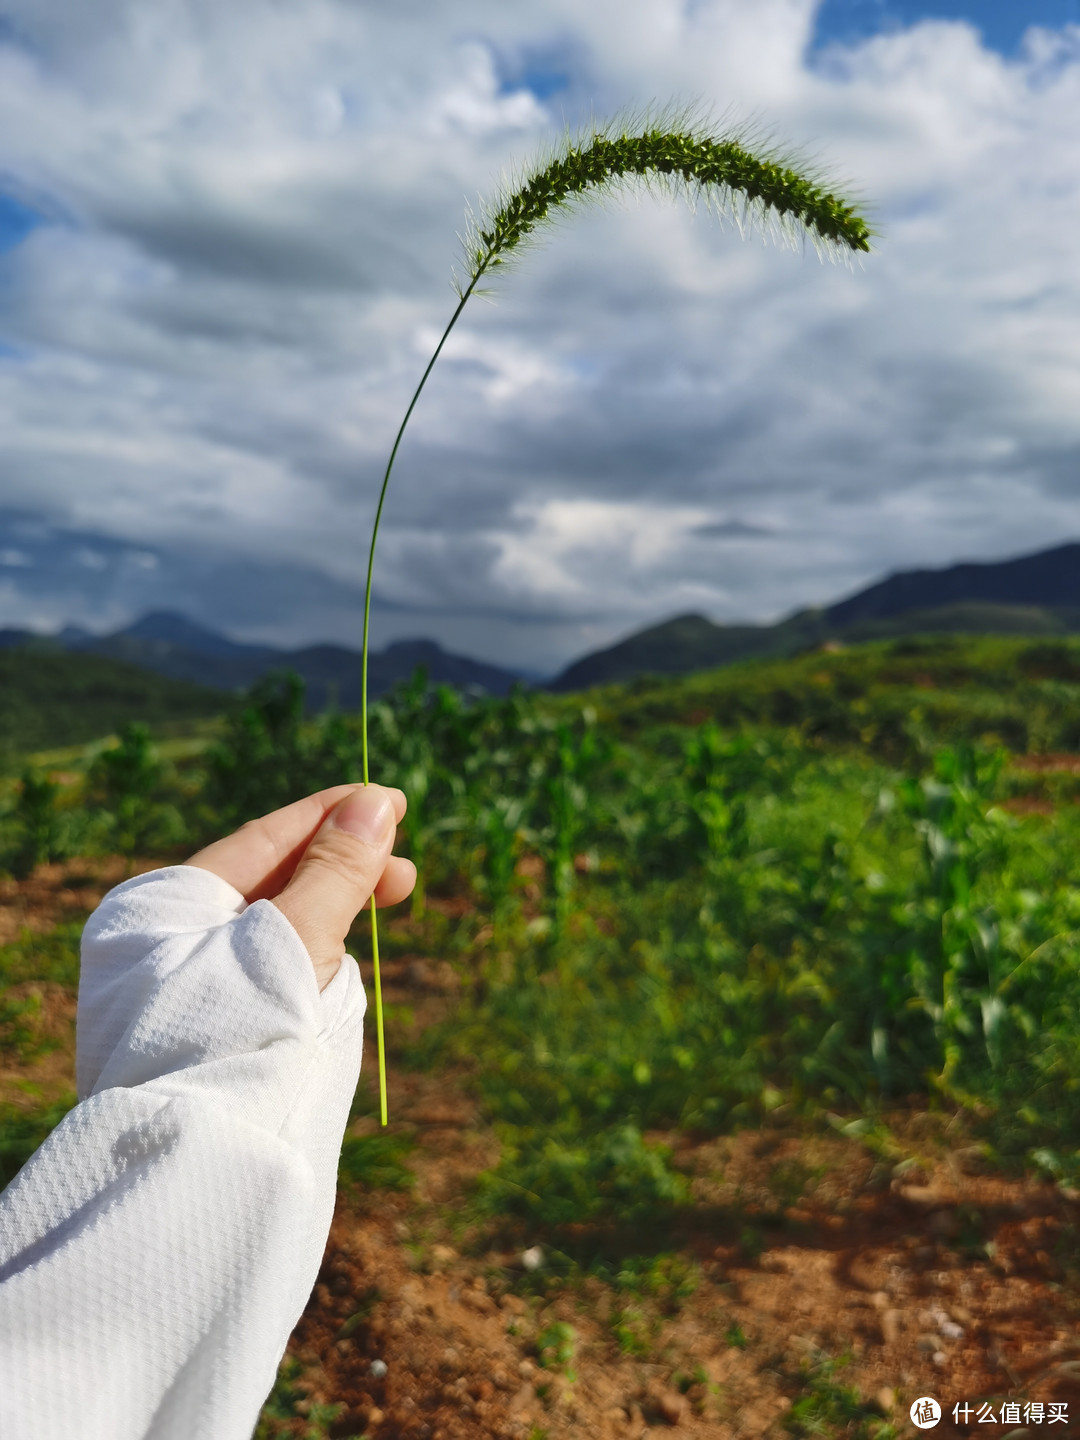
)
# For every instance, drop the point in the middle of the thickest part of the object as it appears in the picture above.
(158, 1249)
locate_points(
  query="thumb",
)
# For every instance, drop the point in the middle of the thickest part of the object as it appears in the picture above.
(337, 875)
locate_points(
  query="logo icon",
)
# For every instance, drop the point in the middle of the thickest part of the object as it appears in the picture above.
(925, 1412)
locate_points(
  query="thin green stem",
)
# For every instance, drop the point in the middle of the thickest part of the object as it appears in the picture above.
(364, 676)
(379, 510)
(378, 1013)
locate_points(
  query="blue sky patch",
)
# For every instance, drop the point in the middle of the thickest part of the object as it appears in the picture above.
(16, 221)
(542, 81)
(1002, 22)
(543, 71)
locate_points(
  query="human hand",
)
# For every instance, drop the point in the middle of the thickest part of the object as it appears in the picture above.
(318, 860)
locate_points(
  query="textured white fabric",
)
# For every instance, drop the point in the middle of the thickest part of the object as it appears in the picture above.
(158, 1249)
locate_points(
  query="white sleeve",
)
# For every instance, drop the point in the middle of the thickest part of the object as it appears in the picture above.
(159, 1248)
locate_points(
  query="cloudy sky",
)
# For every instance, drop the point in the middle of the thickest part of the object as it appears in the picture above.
(227, 234)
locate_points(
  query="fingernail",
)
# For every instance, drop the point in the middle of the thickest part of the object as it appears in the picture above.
(367, 813)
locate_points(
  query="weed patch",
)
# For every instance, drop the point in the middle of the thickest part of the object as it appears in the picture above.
(376, 1162)
(22, 1132)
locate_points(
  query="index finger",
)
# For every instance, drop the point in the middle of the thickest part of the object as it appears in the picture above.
(260, 857)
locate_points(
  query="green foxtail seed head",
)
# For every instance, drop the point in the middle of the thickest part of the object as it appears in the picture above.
(672, 150)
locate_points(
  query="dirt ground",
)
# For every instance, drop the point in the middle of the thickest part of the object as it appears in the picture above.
(55, 893)
(811, 1265)
(876, 1275)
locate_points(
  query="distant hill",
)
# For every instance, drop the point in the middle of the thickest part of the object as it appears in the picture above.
(1033, 595)
(50, 698)
(687, 643)
(175, 647)
(1048, 580)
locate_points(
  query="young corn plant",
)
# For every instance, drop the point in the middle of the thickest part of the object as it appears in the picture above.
(672, 150)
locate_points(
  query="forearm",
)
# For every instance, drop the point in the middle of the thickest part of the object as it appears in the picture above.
(157, 1251)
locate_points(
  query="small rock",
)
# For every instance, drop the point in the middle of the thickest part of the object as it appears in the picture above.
(533, 1258)
(526, 1368)
(939, 1357)
(951, 1331)
(928, 1344)
(375, 1417)
(890, 1326)
(443, 1254)
(522, 1397)
(671, 1405)
(886, 1398)
(924, 1196)
(378, 1369)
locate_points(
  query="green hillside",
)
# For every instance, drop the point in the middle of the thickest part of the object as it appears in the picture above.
(50, 698)
(689, 643)
(890, 698)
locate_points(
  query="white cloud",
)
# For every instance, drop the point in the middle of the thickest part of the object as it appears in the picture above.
(214, 345)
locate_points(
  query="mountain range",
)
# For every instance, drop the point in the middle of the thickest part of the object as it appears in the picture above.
(179, 649)
(1035, 594)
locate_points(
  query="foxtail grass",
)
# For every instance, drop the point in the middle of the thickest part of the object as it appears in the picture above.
(673, 151)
